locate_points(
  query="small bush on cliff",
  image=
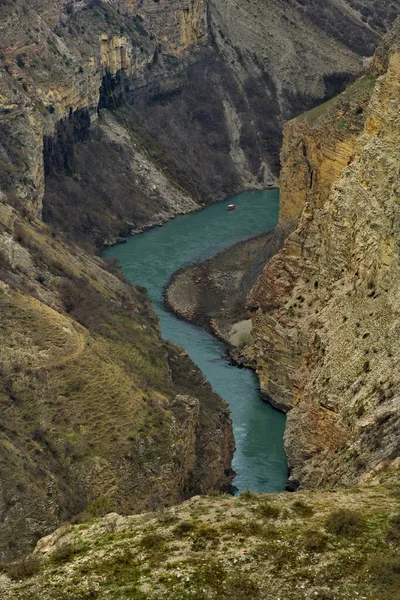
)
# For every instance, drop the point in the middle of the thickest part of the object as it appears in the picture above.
(345, 522)
(268, 511)
(302, 509)
(21, 569)
(64, 552)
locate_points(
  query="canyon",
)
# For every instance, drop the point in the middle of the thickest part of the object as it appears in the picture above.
(315, 326)
(325, 307)
(145, 110)
(115, 117)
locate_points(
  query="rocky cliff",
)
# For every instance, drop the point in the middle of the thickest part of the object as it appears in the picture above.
(325, 308)
(198, 93)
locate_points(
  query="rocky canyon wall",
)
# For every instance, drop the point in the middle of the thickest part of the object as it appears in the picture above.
(97, 411)
(326, 306)
(113, 118)
(199, 90)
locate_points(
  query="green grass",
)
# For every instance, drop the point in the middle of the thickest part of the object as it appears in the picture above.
(268, 510)
(354, 99)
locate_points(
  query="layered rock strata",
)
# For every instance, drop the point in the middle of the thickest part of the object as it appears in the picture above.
(198, 87)
(326, 316)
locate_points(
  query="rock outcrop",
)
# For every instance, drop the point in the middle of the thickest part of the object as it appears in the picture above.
(339, 544)
(326, 315)
(200, 88)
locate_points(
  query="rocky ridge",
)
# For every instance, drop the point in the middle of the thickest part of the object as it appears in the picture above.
(196, 87)
(325, 314)
(338, 545)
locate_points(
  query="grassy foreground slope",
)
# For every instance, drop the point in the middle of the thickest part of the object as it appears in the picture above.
(334, 545)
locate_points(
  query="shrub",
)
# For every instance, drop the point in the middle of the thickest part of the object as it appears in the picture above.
(184, 528)
(152, 541)
(27, 567)
(204, 537)
(315, 541)
(166, 518)
(268, 511)
(64, 551)
(302, 509)
(102, 505)
(345, 522)
(250, 528)
(246, 495)
(393, 534)
(385, 574)
(120, 568)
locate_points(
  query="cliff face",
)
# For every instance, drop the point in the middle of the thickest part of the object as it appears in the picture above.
(326, 307)
(180, 25)
(197, 89)
(97, 411)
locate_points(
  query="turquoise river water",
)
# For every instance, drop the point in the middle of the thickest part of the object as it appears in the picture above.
(149, 260)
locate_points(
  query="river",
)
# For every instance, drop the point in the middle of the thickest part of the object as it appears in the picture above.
(149, 260)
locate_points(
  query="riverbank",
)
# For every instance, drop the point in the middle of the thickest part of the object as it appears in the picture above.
(150, 259)
(213, 293)
(160, 219)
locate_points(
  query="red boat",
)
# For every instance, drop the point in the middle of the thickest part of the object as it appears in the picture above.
(230, 207)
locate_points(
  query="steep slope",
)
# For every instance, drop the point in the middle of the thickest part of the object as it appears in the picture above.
(95, 407)
(326, 545)
(198, 90)
(326, 306)
(109, 121)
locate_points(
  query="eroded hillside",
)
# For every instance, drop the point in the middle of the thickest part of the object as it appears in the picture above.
(95, 407)
(326, 318)
(144, 110)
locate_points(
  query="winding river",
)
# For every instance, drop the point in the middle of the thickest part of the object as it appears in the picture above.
(149, 260)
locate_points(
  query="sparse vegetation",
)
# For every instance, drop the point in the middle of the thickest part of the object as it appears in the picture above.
(154, 542)
(64, 551)
(223, 548)
(26, 567)
(268, 510)
(315, 541)
(393, 534)
(184, 528)
(345, 523)
(302, 509)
